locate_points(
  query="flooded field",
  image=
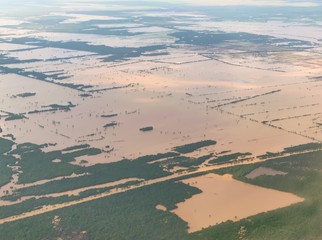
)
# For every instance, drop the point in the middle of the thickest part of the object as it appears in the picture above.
(224, 198)
(262, 171)
(100, 98)
(223, 108)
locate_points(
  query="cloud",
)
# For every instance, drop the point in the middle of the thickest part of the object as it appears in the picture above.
(253, 3)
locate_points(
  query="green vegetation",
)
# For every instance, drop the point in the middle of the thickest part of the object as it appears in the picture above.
(229, 158)
(26, 94)
(146, 129)
(85, 95)
(33, 203)
(136, 208)
(111, 88)
(70, 156)
(300, 221)
(5, 171)
(214, 38)
(294, 149)
(53, 108)
(151, 158)
(98, 174)
(303, 147)
(14, 116)
(37, 165)
(5, 145)
(182, 161)
(76, 147)
(112, 53)
(80, 87)
(109, 115)
(111, 124)
(194, 146)
(27, 147)
(128, 215)
(159, 29)
(11, 136)
(33, 74)
(66, 107)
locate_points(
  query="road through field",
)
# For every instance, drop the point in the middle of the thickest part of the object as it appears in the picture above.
(204, 169)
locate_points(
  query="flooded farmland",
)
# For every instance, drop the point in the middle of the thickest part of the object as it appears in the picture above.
(224, 198)
(158, 120)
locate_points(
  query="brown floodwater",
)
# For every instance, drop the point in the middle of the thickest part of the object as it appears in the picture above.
(224, 198)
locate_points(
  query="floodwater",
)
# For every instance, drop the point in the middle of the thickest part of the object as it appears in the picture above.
(224, 198)
(156, 99)
(264, 171)
(280, 103)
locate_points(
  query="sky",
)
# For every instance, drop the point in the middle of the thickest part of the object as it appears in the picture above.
(295, 3)
(290, 3)
(36, 7)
